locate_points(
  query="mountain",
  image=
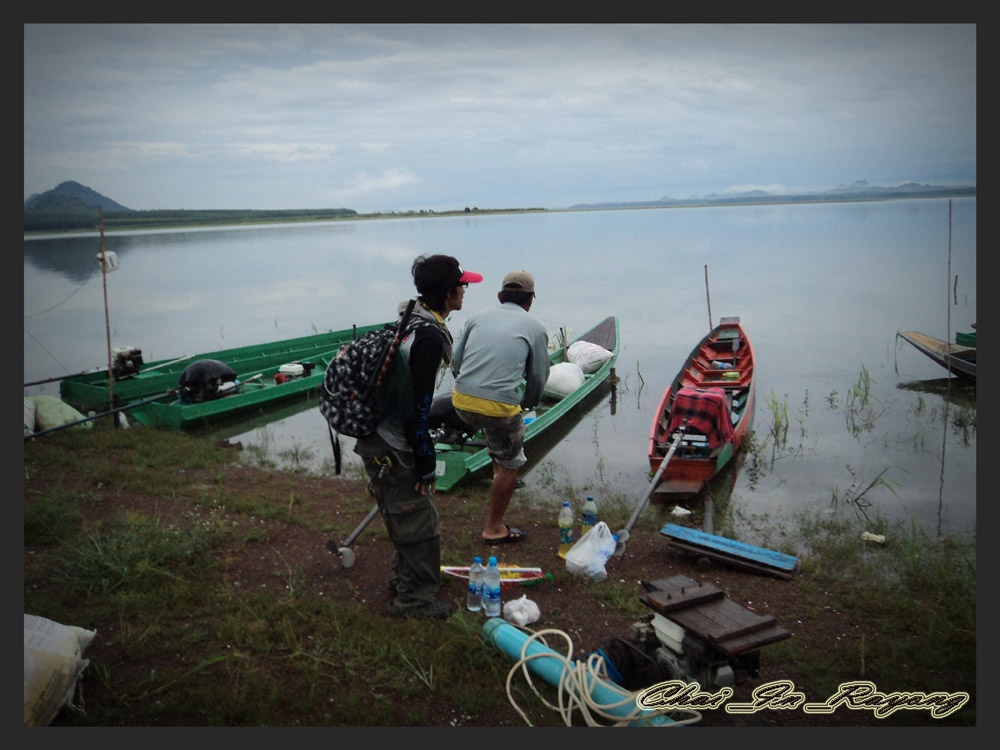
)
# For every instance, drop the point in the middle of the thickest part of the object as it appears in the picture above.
(71, 198)
(859, 190)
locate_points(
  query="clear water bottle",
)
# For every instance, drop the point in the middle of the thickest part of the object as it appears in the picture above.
(565, 529)
(474, 599)
(491, 589)
(589, 514)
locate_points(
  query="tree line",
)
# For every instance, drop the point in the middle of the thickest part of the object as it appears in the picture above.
(175, 217)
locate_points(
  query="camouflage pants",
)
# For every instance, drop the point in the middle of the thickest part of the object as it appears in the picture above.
(411, 520)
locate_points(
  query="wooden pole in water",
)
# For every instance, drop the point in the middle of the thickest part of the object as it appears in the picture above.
(948, 322)
(107, 319)
(709, 298)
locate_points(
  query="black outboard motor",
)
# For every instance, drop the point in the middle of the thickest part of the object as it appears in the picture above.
(201, 380)
(126, 361)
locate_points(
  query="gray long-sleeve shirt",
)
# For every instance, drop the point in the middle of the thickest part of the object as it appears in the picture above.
(499, 346)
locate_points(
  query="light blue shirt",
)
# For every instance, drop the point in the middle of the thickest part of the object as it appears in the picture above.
(499, 347)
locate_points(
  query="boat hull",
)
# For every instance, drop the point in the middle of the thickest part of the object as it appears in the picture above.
(960, 360)
(256, 391)
(90, 391)
(458, 461)
(700, 457)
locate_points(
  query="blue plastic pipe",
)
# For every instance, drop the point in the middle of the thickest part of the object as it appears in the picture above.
(511, 641)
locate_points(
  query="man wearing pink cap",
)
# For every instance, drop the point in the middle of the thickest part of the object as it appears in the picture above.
(399, 456)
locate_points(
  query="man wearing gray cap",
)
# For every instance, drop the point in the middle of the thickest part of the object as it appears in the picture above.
(500, 347)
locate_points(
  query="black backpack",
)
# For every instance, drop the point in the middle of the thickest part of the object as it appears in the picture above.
(352, 399)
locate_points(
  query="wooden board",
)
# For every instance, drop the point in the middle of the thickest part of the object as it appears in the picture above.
(729, 627)
(739, 554)
(668, 601)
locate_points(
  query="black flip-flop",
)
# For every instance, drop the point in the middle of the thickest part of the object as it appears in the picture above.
(513, 535)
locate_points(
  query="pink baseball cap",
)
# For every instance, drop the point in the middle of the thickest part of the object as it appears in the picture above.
(469, 277)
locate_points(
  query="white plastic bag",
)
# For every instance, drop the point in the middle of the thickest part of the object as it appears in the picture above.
(564, 378)
(521, 611)
(588, 556)
(588, 356)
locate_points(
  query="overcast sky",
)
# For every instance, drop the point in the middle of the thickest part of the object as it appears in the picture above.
(412, 117)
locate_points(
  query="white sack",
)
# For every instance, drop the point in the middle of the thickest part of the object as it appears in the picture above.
(564, 378)
(29, 416)
(588, 356)
(53, 662)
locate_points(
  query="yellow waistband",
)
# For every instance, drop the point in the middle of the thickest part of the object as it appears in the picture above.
(483, 406)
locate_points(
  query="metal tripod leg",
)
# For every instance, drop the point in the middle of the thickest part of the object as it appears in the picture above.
(344, 551)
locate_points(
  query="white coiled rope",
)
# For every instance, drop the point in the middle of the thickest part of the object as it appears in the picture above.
(575, 685)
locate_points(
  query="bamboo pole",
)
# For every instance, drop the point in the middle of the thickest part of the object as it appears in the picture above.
(709, 298)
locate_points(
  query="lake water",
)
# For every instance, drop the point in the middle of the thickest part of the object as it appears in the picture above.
(822, 290)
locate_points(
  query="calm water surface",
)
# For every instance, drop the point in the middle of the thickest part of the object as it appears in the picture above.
(821, 289)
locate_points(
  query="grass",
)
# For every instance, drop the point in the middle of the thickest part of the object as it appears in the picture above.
(162, 585)
(919, 591)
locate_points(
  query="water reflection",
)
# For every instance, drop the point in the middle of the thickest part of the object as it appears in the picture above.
(74, 258)
(819, 288)
(954, 390)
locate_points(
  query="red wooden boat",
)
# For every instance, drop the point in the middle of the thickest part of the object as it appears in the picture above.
(711, 400)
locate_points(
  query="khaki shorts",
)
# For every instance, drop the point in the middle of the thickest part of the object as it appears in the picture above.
(504, 437)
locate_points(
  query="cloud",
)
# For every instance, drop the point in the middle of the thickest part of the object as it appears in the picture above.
(493, 115)
(115, 155)
(286, 152)
(364, 185)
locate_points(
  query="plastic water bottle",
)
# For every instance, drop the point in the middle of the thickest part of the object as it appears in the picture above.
(491, 589)
(589, 514)
(474, 599)
(565, 529)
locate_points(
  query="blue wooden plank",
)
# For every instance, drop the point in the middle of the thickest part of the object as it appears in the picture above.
(730, 547)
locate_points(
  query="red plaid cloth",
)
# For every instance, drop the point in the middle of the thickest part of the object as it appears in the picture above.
(706, 412)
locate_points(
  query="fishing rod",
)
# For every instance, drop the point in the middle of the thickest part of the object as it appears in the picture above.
(708, 298)
(104, 369)
(394, 345)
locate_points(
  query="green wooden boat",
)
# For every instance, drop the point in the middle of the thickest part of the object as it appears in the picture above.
(461, 456)
(966, 339)
(90, 390)
(255, 390)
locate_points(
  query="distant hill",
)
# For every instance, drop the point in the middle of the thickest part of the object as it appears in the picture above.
(860, 190)
(72, 206)
(71, 198)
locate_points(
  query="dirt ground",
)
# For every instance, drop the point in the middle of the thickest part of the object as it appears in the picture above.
(648, 557)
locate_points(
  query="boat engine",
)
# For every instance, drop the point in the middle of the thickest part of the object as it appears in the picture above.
(694, 634)
(653, 653)
(206, 380)
(126, 361)
(295, 370)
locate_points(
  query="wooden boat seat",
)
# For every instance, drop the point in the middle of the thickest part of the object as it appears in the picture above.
(715, 378)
